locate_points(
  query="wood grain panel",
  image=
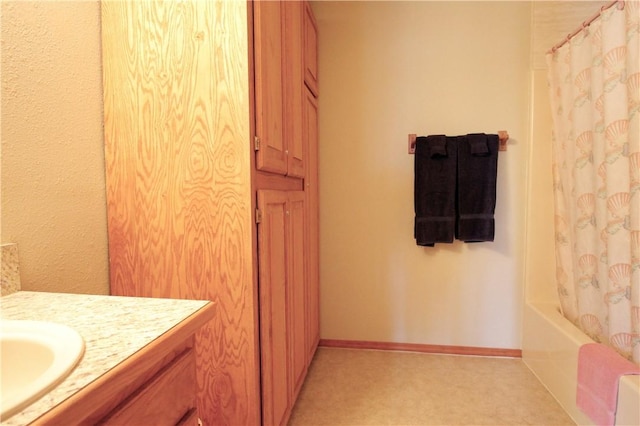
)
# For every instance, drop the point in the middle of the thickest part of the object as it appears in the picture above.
(120, 157)
(178, 178)
(190, 419)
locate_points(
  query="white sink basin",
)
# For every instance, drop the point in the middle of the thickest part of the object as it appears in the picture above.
(35, 356)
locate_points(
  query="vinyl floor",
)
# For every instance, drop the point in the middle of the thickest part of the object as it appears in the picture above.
(366, 387)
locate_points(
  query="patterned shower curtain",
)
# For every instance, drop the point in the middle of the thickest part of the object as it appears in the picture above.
(595, 98)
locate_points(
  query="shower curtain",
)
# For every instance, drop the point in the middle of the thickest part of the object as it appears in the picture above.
(595, 98)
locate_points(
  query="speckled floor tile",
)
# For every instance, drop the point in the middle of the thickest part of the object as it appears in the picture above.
(360, 387)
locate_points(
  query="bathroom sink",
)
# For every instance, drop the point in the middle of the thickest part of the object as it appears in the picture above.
(35, 356)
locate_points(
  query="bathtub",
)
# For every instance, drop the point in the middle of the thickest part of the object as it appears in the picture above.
(550, 349)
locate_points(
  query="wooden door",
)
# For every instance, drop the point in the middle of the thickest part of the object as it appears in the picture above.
(293, 86)
(281, 257)
(271, 153)
(310, 50)
(296, 284)
(273, 238)
(310, 119)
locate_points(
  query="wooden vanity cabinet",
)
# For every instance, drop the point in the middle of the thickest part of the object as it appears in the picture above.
(155, 386)
(166, 399)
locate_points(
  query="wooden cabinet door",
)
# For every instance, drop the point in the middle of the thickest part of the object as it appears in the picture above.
(310, 120)
(268, 35)
(293, 86)
(310, 50)
(163, 400)
(296, 284)
(272, 260)
(281, 257)
(279, 84)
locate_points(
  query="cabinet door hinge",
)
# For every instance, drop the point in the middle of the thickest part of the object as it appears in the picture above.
(258, 216)
(256, 143)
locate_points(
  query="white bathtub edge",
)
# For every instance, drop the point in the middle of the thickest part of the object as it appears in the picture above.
(550, 350)
(628, 396)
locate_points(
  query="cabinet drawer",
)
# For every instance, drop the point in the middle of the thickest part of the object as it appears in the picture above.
(163, 400)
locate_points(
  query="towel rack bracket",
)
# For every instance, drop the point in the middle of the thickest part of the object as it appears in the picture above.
(503, 137)
(412, 143)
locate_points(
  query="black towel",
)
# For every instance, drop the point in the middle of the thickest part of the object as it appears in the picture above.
(434, 189)
(477, 172)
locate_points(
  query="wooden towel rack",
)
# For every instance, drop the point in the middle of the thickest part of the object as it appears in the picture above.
(503, 137)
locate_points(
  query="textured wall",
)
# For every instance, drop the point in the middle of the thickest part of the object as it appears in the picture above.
(388, 69)
(553, 20)
(53, 197)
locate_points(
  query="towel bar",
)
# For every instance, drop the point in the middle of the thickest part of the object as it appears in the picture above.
(503, 137)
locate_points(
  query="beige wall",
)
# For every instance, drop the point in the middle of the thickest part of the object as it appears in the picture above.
(392, 68)
(553, 20)
(540, 257)
(53, 198)
(386, 70)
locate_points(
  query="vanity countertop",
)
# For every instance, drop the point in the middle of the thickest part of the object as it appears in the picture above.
(113, 329)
